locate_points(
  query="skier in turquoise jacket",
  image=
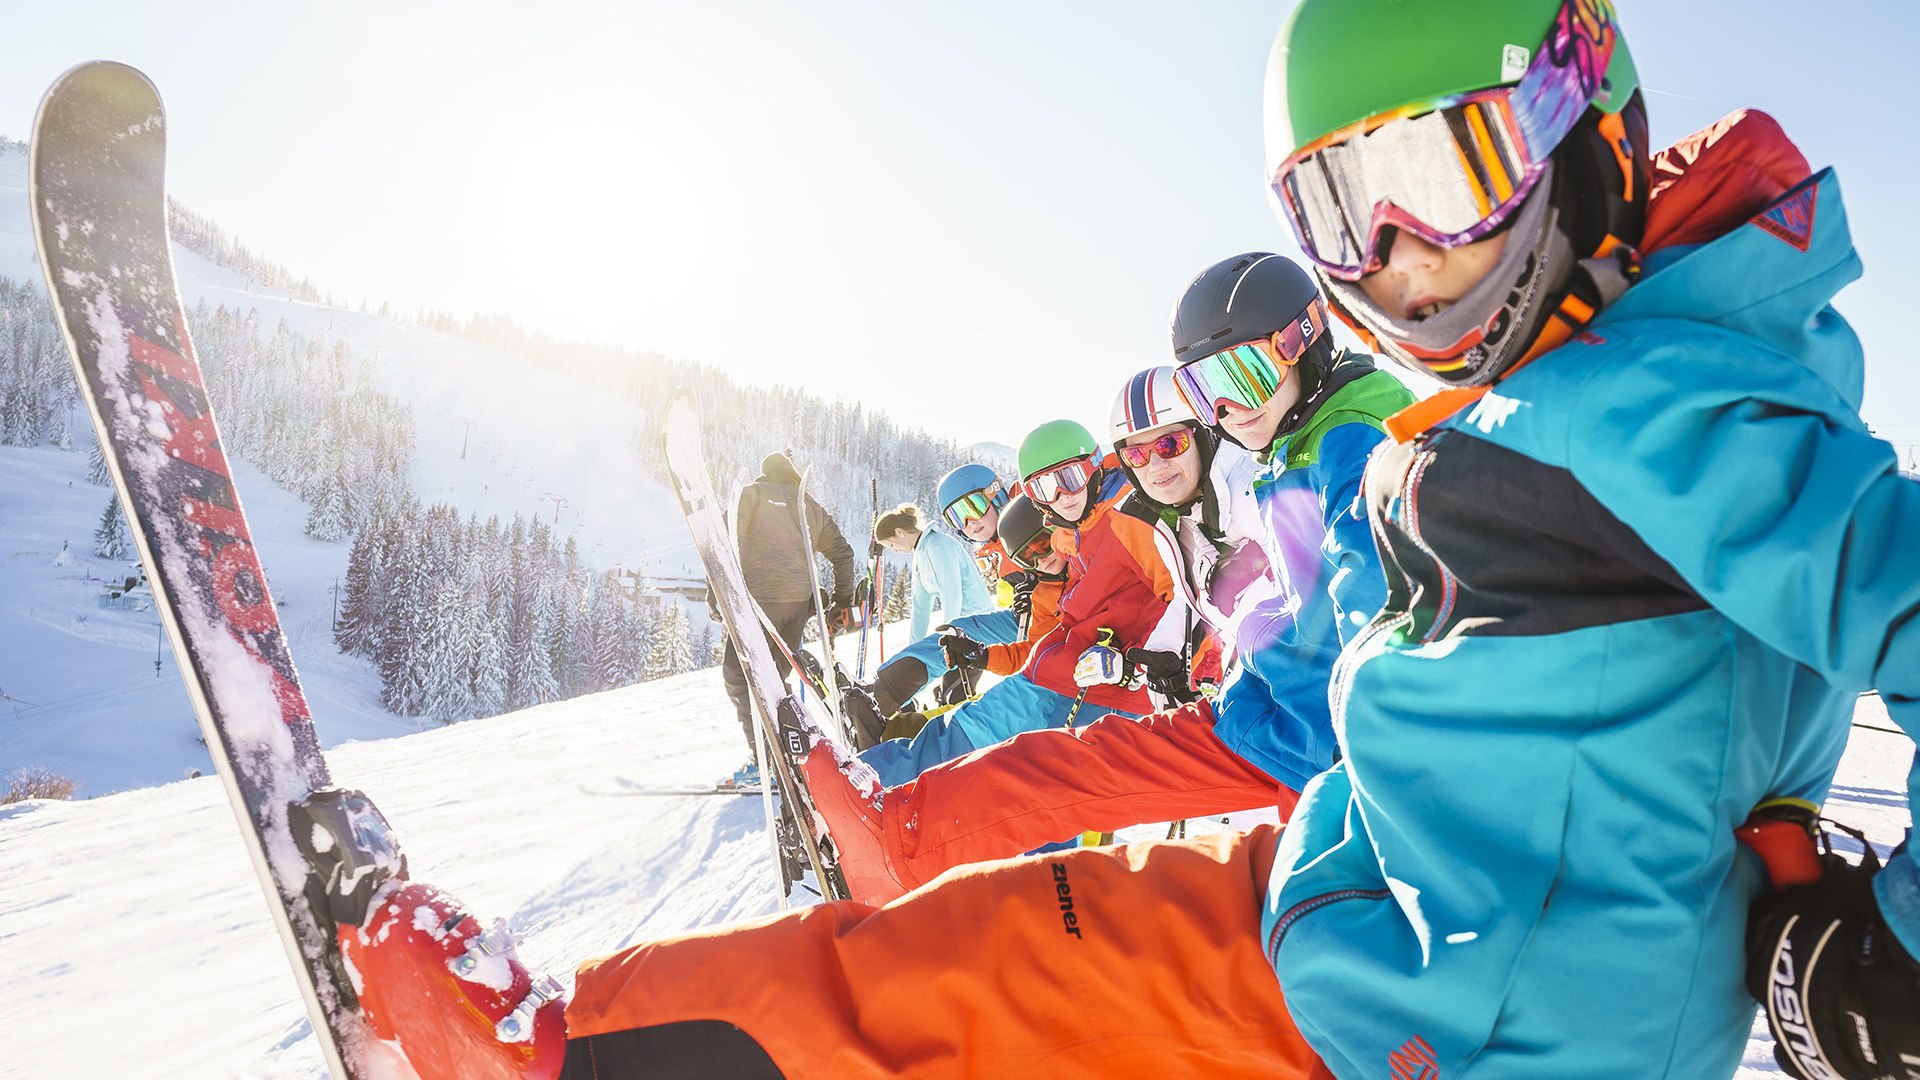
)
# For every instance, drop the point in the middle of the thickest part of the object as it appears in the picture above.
(1642, 554)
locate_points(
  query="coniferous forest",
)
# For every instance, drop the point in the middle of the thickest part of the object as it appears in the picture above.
(463, 618)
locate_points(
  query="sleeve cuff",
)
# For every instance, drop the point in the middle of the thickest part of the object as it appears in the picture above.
(1897, 888)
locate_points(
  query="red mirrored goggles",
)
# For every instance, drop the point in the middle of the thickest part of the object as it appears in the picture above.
(1167, 447)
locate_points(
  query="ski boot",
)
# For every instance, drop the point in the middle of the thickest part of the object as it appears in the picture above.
(847, 793)
(747, 777)
(454, 997)
(863, 714)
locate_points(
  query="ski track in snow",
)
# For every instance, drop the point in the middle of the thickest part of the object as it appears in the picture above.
(138, 943)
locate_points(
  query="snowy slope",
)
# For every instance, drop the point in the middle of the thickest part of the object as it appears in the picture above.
(137, 942)
(534, 433)
(78, 692)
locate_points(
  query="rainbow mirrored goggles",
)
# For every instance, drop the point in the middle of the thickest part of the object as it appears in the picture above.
(1248, 373)
(1050, 485)
(1449, 170)
(973, 505)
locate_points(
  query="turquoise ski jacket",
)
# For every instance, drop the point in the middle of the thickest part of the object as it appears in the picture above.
(1632, 594)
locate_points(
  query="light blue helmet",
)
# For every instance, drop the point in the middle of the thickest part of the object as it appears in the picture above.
(964, 481)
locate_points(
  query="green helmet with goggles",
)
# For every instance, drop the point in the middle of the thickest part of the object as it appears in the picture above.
(1060, 457)
(1520, 118)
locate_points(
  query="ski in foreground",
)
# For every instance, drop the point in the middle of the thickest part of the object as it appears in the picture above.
(324, 856)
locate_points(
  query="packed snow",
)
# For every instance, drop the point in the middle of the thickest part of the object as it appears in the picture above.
(137, 941)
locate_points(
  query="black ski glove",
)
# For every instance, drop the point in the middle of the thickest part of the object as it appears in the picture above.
(1841, 995)
(1165, 673)
(963, 652)
(837, 611)
(1023, 582)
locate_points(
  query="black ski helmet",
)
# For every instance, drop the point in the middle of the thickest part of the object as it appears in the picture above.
(1246, 298)
(1241, 299)
(1021, 522)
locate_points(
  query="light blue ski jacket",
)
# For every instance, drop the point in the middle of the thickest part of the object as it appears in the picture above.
(944, 576)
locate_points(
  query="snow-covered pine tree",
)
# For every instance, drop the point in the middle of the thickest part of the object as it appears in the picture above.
(97, 466)
(403, 620)
(110, 536)
(605, 633)
(672, 651)
(331, 517)
(362, 602)
(899, 604)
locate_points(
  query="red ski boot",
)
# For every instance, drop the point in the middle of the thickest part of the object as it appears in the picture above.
(847, 793)
(455, 997)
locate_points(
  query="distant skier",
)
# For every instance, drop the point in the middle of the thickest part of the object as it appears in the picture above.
(1120, 596)
(774, 559)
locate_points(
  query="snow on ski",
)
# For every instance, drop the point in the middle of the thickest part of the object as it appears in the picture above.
(97, 188)
(98, 193)
(686, 464)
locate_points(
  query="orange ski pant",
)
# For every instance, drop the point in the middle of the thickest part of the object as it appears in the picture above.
(1134, 961)
(1044, 786)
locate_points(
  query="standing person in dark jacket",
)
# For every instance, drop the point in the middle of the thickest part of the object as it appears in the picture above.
(775, 561)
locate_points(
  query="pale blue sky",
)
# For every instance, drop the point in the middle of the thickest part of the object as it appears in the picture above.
(975, 215)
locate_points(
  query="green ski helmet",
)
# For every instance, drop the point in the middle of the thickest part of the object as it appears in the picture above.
(1053, 443)
(1570, 202)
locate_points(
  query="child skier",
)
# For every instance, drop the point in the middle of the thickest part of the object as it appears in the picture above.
(1642, 557)
(1117, 584)
(1637, 575)
(971, 498)
(1318, 414)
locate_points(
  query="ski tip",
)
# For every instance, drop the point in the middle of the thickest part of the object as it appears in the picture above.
(100, 102)
(103, 83)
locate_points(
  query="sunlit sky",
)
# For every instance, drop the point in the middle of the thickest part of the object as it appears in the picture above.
(973, 215)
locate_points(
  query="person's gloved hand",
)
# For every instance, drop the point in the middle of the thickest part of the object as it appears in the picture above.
(840, 615)
(1165, 673)
(1842, 995)
(962, 651)
(1023, 582)
(1099, 665)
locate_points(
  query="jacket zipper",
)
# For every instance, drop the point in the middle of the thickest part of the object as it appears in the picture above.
(1307, 907)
